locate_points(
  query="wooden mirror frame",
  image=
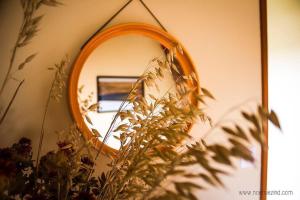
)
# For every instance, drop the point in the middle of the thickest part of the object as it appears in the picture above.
(150, 31)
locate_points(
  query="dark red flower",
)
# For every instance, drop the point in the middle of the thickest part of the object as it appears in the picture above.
(23, 147)
(7, 164)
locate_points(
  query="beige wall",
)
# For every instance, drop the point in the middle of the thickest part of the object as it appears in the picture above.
(222, 37)
(284, 82)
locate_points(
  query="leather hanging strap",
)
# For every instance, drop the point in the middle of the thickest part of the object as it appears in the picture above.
(117, 13)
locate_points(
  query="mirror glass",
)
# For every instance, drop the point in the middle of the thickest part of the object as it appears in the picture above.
(109, 73)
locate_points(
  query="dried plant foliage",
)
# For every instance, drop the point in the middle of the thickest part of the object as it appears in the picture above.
(58, 83)
(152, 162)
(149, 153)
(28, 30)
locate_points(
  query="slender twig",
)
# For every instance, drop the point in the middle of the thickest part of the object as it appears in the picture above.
(13, 55)
(9, 68)
(42, 128)
(107, 135)
(124, 158)
(117, 115)
(11, 102)
(149, 144)
(12, 58)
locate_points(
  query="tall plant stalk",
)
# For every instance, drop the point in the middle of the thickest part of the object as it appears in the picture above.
(42, 133)
(55, 93)
(130, 93)
(6, 78)
(11, 102)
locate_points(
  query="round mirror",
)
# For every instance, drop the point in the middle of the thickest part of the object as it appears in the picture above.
(106, 69)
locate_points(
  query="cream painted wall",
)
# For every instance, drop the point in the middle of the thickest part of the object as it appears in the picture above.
(222, 37)
(284, 82)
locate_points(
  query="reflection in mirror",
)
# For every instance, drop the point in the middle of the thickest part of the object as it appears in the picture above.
(108, 74)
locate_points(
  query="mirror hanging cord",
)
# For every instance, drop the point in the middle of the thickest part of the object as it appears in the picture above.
(116, 14)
